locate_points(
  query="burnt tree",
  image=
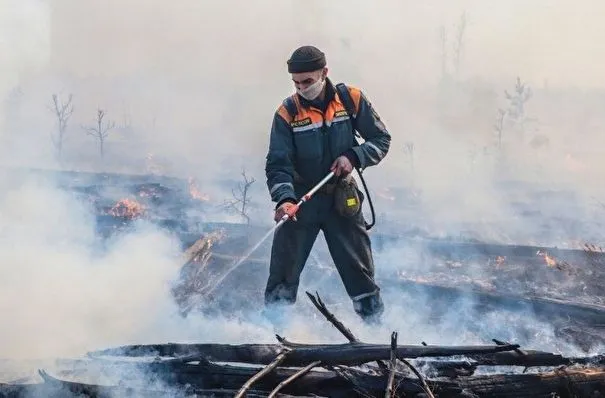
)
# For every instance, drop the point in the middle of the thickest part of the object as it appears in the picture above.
(63, 111)
(100, 130)
(241, 197)
(499, 125)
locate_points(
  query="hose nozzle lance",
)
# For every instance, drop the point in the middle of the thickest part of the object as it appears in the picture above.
(306, 197)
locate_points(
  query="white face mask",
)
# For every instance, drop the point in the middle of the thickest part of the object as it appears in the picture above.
(312, 92)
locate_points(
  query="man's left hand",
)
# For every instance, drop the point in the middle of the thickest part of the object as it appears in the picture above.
(341, 166)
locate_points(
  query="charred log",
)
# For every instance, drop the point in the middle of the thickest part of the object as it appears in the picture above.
(351, 382)
(529, 358)
(443, 368)
(373, 385)
(55, 387)
(354, 353)
(329, 354)
(563, 383)
(207, 375)
(342, 382)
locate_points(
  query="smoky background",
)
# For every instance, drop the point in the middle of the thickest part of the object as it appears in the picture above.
(495, 111)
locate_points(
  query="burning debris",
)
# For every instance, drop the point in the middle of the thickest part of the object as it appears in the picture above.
(195, 192)
(127, 208)
(553, 263)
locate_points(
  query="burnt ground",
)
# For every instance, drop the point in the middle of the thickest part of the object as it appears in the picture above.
(559, 286)
(406, 254)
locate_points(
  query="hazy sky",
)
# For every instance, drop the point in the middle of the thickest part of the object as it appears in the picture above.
(197, 67)
(556, 40)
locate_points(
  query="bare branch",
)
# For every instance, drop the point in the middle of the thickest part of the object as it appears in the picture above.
(499, 126)
(241, 198)
(264, 371)
(100, 130)
(318, 303)
(63, 112)
(295, 376)
(389, 390)
(425, 386)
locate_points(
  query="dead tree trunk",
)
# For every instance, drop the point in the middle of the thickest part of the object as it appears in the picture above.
(100, 130)
(62, 111)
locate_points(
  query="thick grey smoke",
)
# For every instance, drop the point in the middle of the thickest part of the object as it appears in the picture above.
(192, 87)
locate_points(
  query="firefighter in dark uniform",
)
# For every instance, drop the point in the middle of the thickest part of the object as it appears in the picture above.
(311, 135)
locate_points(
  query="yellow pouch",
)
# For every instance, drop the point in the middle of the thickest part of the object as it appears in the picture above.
(347, 198)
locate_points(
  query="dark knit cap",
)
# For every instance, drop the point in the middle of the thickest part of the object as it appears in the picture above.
(306, 59)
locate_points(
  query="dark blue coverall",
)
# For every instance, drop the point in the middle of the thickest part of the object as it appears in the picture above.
(301, 151)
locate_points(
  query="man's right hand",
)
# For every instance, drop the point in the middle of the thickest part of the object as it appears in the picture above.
(286, 208)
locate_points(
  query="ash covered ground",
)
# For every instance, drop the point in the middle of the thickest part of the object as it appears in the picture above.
(123, 268)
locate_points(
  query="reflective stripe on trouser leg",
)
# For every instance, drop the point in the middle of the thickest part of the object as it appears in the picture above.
(292, 243)
(368, 305)
(350, 247)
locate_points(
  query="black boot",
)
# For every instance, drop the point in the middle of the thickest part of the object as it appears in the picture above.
(370, 308)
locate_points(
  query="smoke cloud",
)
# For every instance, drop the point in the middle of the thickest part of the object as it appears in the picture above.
(190, 89)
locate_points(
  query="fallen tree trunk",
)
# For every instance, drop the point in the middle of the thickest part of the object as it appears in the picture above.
(342, 382)
(559, 383)
(348, 354)
(208, 376)
(190, 366)
(329, 354)
(55, 387)
(513, 357)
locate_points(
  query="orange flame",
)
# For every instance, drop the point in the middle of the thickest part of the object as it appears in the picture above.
(127, 208)
(195, 193)
(550, 261)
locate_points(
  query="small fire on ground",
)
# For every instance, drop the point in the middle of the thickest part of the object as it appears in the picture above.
(195, 192)
(558, 264)
(550, 261)
(127, 208)
(500, 261)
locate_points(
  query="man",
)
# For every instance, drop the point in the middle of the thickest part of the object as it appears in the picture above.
(311, 135)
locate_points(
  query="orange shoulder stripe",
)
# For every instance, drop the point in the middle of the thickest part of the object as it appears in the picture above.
(283, 112)
(355, 96)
